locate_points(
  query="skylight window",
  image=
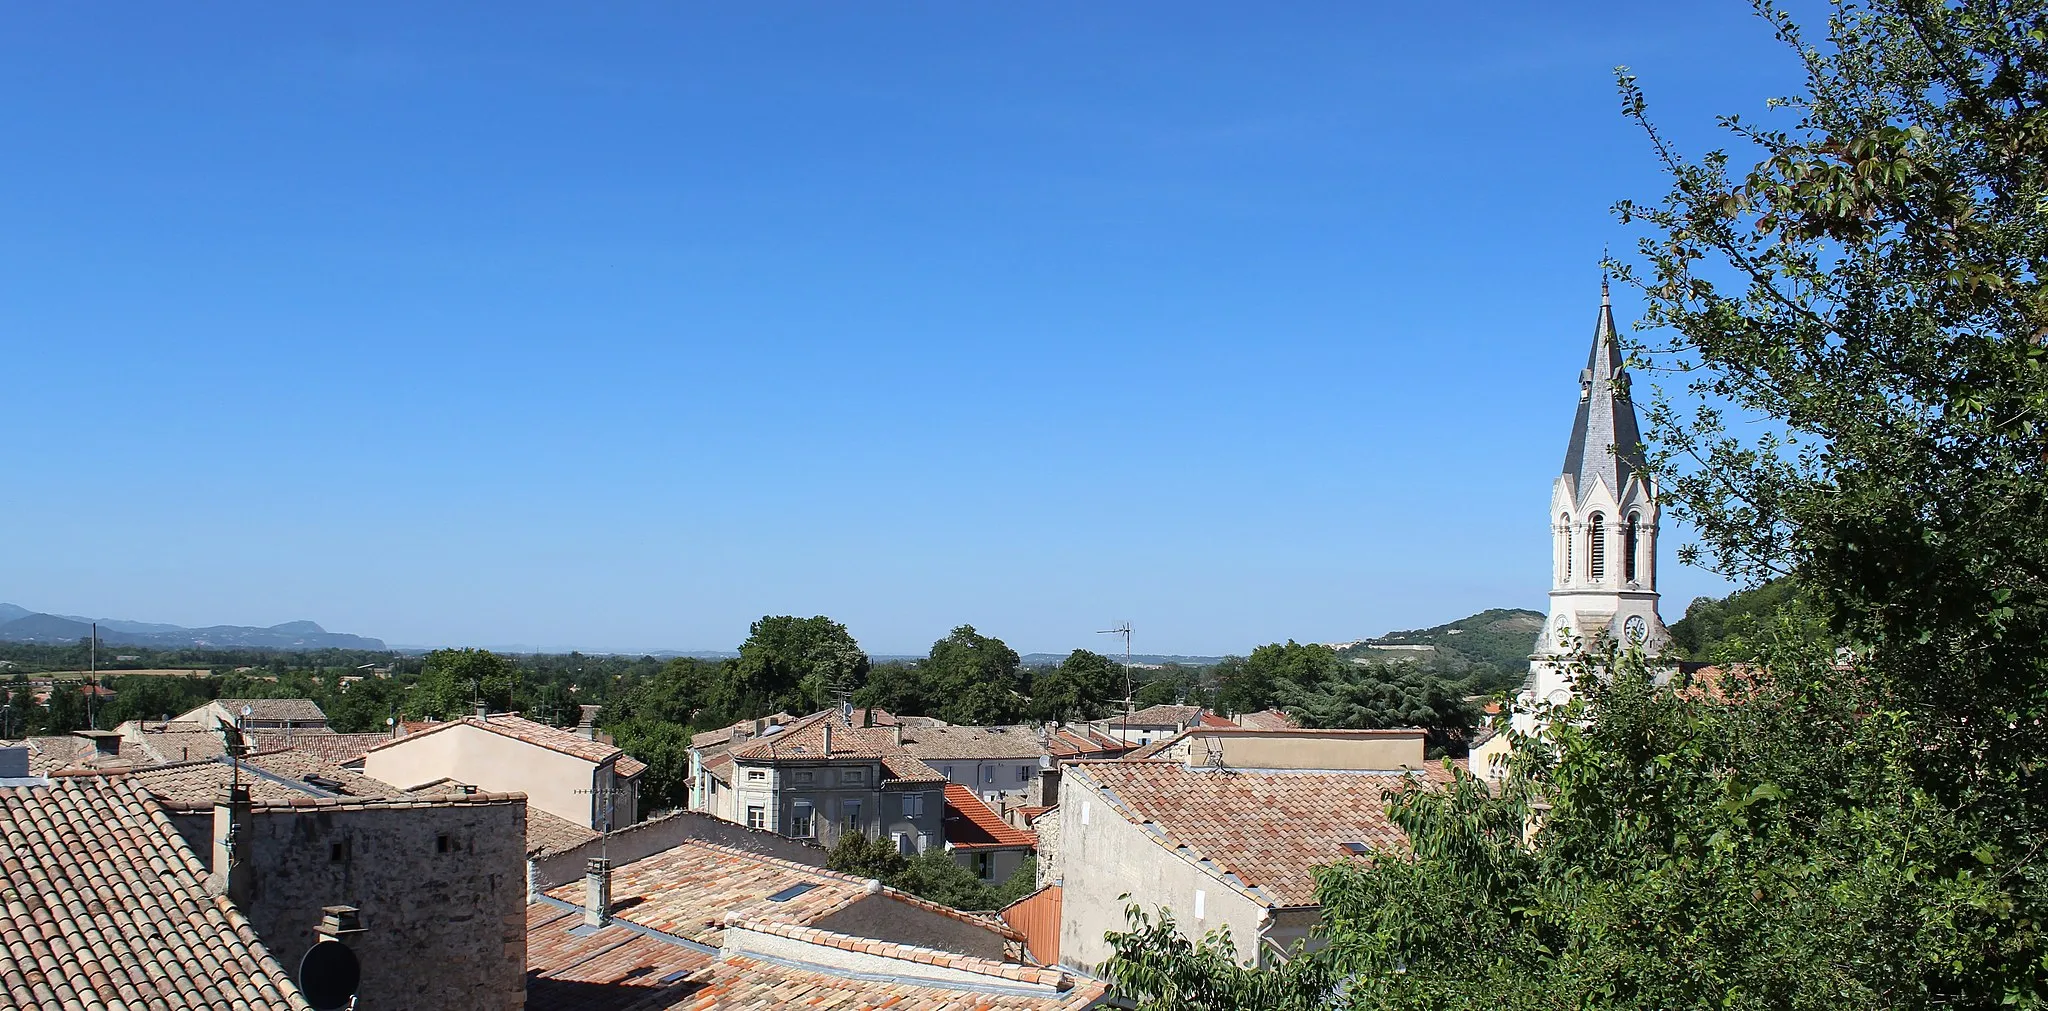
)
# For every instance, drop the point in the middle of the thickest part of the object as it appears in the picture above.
(1358, 849)
(792, 892)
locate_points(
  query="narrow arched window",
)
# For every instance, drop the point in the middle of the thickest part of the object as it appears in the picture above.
(1596, 547)
(1628, 548)
(1564, 540)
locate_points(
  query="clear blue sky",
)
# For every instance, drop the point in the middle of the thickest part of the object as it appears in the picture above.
(512, 324)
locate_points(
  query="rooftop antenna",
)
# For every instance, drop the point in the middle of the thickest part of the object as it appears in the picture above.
(92, 652)
(1123, 628)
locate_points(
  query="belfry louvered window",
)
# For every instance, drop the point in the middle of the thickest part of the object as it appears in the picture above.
(1628, 548)
(1564, 534)
(1596, 547)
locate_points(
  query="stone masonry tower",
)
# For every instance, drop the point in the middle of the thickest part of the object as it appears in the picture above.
(1603, 515)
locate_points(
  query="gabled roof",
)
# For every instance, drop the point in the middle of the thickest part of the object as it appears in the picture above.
(805, 740)
(1081, 741)
(1261, 832)
(547, 833)
(69, 751)
(939, 744)
(272, 776)
(1267, 719)
(1606, 444)
(294, 710)
(1158, 716)
(102, 905)
(519, 728)
(971, 825)
(336, 749)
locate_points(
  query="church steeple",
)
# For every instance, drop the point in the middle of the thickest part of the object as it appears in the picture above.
(1603, 510)
(1606, 445)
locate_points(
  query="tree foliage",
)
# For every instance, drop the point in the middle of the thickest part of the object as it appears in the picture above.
(1871, 287)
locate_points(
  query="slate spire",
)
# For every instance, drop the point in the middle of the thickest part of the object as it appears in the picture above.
(1606, 444)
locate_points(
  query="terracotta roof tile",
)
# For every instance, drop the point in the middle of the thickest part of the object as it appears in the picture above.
(972, 825)
(1269, 829)
(1267, 719)
(279, 775)
(549, 833)
(102, 905)
(335, 749)
(611, 969)
(297, 710)
(1159, 716)
(519, 728)
(957, 743)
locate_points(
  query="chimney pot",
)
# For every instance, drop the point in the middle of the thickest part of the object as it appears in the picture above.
(597, 892)
(896, 733)
(828, 740)
(482, 708)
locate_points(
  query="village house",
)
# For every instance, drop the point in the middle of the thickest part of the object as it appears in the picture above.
(980, 840)
(823, 776)
(583, 782)
(999, 764)
(1223, 826)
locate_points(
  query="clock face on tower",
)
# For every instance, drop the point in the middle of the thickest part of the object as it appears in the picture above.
(1637, 629)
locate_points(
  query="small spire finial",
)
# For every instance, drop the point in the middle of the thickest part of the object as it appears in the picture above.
(1603, 275)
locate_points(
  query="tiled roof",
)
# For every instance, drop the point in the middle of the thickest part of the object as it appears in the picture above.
(1030, 812)
(719, 766)
(519, 728)
(958, 743)
(1159, 716)
(1267, 719)
(337, 749)
(905, 769)
(172, 742)
(65, 751)
(1264, 831)
(611, 969)
(273, 776)
(743, 983)
(299, 710)
(628, 766)
(805, 739)
(102, 905)
(687, 890)
(1014, 972)
(724, 735)
(549, 833)
(971, 825)
(1076, 742)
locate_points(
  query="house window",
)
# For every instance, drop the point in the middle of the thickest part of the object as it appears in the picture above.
(946, 771)
(988, 775)
(757, 816)
(985, 865)
(913, 805)
(855, 777)
(1201, 903)
(1023, 774)
(800, 820)
(925, 841)
(1596, 547)
(803, 776)
(756, 775)
(903, 844)
(849, 815)
(1084, 812)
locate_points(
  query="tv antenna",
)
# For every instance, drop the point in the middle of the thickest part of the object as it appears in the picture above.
(1123, 628)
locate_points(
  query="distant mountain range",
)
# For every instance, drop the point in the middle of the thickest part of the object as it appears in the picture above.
(19, 624)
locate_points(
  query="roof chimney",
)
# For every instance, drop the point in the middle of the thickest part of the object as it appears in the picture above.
(896, 733)
(14, 763)
(828, 740)
(867, 717)
(483, 709)
(597, 892)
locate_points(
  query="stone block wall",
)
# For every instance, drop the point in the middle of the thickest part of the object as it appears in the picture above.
(439, 885)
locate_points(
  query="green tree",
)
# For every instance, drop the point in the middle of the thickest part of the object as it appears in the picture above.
(974, 679)
(1081, 687)
(861, 856)
(452, 681)
(65, 712)
(793, 664)
(1380, 696)
(1872, 288)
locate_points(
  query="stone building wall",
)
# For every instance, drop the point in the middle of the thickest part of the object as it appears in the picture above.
(440, 887)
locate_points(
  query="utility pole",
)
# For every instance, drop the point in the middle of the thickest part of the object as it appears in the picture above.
(92, 653)
(1124, 629)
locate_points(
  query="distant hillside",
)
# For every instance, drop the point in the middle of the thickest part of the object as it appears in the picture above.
(1148, 659)
(1489, 651)
(19, 624)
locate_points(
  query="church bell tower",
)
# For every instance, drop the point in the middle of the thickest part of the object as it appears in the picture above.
(1603, 525)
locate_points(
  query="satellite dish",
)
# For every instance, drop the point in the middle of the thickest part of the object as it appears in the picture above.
(246, 710)
(328, 975)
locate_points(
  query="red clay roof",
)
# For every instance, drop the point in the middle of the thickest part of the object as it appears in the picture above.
(1269, 829)
(519, 728)
(103, 905)
(972, 825)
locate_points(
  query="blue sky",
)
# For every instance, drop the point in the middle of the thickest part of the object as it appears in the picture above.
(509, 324)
